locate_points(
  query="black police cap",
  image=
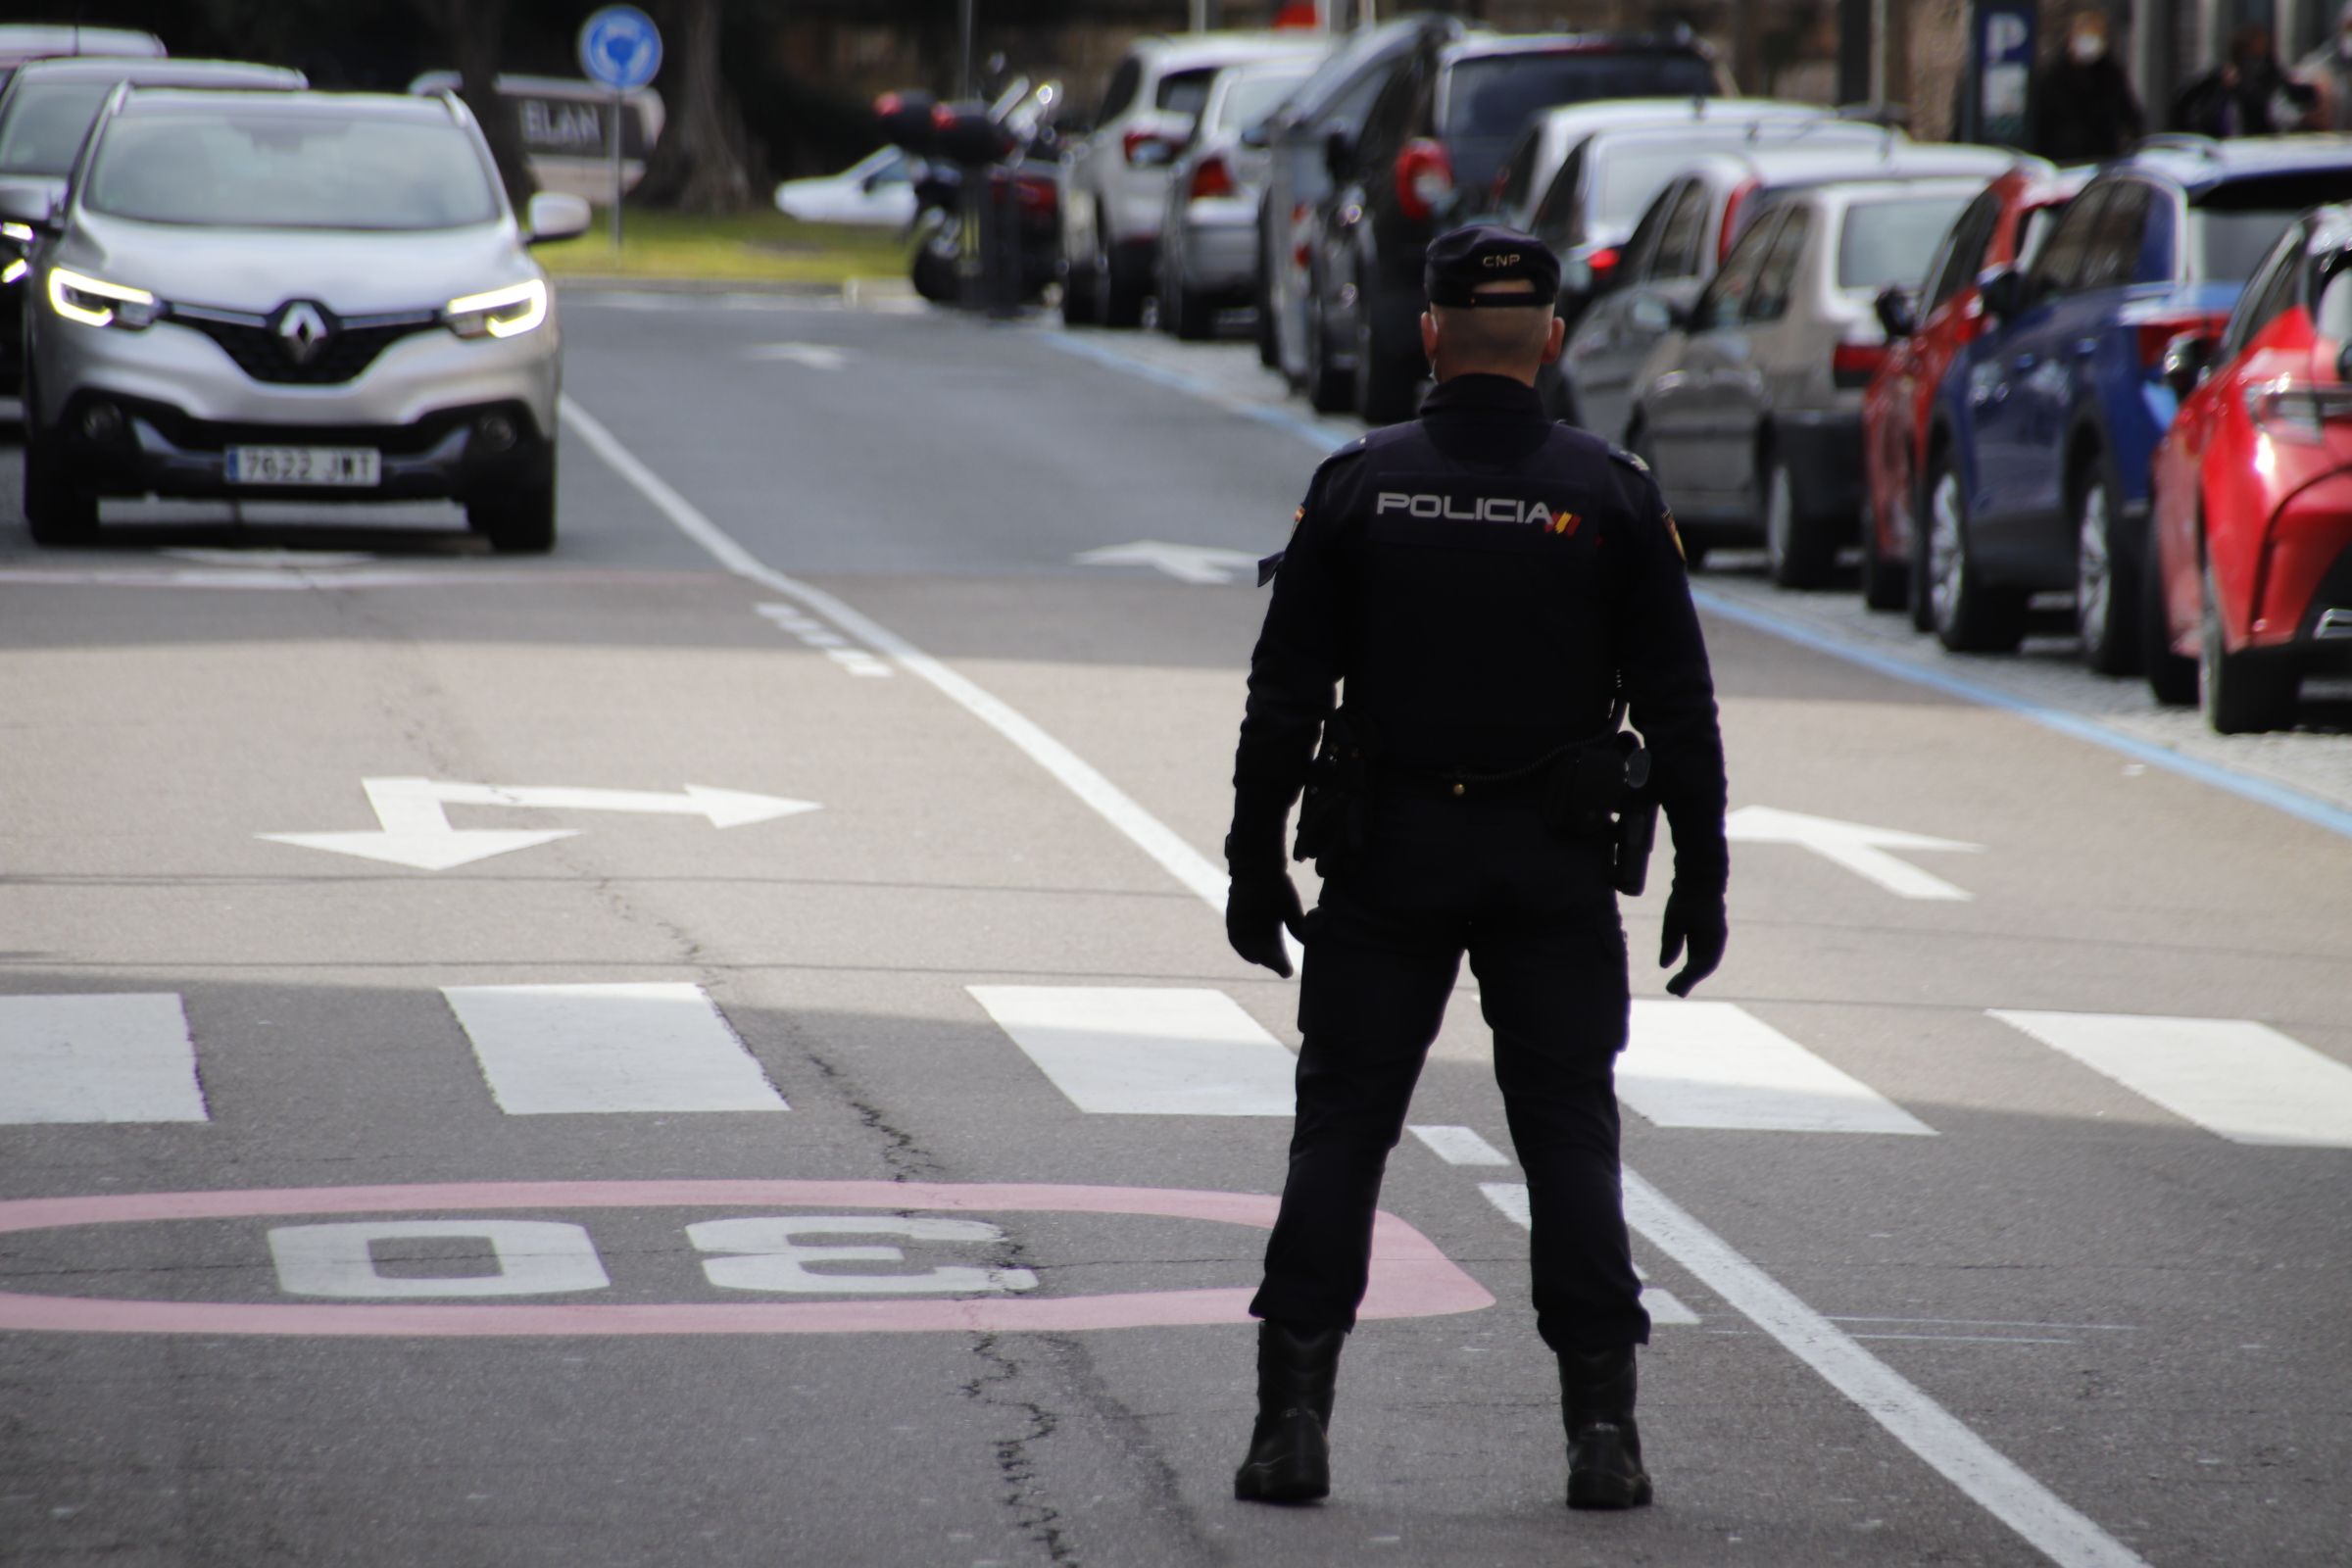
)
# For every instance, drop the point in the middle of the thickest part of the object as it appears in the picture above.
(1462, 259)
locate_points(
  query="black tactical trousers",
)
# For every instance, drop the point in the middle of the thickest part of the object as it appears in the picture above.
(1442, 876)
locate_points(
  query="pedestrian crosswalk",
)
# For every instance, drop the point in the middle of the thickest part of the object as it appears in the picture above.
(666, 1048)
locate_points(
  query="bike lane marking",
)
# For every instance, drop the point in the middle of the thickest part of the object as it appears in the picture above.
(1948, 1446)
(1410, 1276)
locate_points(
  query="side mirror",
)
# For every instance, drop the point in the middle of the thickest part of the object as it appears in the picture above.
(34, 202)
(2188, 359)
(1897, 312)
(2003, 291)
(1339, 154)
(554, 216)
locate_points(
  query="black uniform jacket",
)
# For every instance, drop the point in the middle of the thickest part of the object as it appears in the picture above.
(1484, 582)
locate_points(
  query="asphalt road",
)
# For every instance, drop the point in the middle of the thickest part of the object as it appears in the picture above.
(361, 1212)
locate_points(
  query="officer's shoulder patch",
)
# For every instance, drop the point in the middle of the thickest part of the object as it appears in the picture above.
(1628, 459)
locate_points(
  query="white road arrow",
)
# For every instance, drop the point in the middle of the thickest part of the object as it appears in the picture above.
(816, 356)
(414, 824)
(1197, 564)
(1860, 849)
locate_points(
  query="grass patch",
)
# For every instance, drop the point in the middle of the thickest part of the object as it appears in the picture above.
(755, 247)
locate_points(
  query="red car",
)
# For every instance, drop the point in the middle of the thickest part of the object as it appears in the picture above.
(2253, 492)
(1924, 332)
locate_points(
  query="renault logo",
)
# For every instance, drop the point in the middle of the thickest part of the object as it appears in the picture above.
(303, 328)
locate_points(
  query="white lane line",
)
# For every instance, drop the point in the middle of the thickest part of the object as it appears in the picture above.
(2232, 1076)
(2060, 1533)
(604, 1049)
(1664, 1307)
(97, 1059)
(1459, 1146)
(1120, 1051)
(2068, 1537)
(1714, 1064)
(816, 634)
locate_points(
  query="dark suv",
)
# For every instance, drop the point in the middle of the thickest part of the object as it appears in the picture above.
(1444, 120)
(2038, 451)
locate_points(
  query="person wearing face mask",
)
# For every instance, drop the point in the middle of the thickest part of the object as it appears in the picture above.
(2084, 108)
(2248, 94)
(2328, 70)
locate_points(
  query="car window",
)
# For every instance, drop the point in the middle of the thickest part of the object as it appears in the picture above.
(290, 170)
(1518, 173)
(1555, 216)
(1120, 90)
(1353, 107)
(2275, 287)
(1685, 233)
(2034, 228)
(46, 124)
(1185, 92)
(1254, 97)
(2332, 285)
(1720, 305)
(1889, 241)
(1355, 68)
(1494, 96)
(2061, 260)
(1642, 246)
(1961, 254)
(1391, 119)
(1776, 275)
(2110, 248)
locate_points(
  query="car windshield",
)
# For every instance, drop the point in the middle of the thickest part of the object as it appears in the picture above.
(46, 124)
(286, 171)
(1890, 242)
(1494, 96)
(1256, 96)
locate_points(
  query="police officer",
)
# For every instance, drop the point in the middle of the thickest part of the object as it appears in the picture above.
(1487, 587)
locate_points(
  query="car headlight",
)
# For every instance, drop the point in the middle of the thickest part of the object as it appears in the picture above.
(94, 302)
(22, 234)
(507, 312)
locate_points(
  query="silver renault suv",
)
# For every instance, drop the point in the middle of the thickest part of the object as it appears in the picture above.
(289, 296)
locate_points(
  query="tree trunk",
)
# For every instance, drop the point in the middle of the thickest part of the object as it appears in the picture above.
(699, 163)
(472, 31)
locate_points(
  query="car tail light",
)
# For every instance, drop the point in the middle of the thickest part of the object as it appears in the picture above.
(1731, 218)
(1034, 193)
(2298, 410)
(1135, 141)
(1854, 363)
(1604, 263)
(1210, 177)
(1424, 177)
(2157, 333)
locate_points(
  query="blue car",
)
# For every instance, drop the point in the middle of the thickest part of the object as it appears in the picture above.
(2036, 478)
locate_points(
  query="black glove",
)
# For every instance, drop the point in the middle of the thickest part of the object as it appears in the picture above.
(1699, 921)
(1258, 909)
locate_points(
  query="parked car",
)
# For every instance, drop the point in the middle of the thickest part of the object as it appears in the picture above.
(289, 296)
(1528, 169)
(46, 109)
(1927, 324)
(1679, 241)
(876, 190)
(2250, 586)
(1114, 180)
(1441, 125)
(1333, 101)
(2038, 459)
(21, 41)
(1619, 156)
(1750, 412)
(1208, 234)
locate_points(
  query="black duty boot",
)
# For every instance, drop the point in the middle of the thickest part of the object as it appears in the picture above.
(1605, 1449)
(1289, 1458)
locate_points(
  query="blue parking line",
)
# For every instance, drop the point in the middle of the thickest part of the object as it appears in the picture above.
(2295, 803)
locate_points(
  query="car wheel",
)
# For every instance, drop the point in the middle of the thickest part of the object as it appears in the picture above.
(1123, 292)
(55, 511)
(2242, 693)
(2105, 597)
(519, 522)
(1968, 614)
(1886, 582)
(1328, 390)
(2171, 677)
(1386, 379)
(1080, 295)
(1192, 317)
(1797, 553)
